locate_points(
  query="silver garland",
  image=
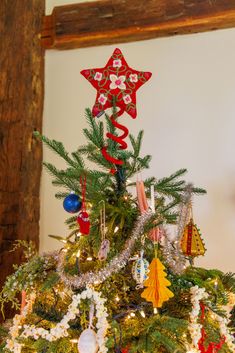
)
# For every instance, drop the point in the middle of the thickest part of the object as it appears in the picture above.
(171, 249)
(114, 266)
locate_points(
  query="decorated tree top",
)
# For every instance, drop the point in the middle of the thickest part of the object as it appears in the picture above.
(84, 297)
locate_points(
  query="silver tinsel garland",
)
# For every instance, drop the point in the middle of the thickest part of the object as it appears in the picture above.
(114, 266)
(171, 248)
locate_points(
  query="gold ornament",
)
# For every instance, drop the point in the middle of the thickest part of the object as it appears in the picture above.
(156, 283)
(191, 242)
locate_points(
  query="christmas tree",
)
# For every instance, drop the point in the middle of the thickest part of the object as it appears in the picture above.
(89, 296)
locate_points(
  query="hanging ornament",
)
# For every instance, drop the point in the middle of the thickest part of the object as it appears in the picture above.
(116, 84)
(141, 196)
(191, 241)
(23, 300)
(72, 203)
(140, 270)
(156, 283)
(156, 234)
(125, 350)
(105, 243)
(87, 342)
(83, 217)
(84, 222)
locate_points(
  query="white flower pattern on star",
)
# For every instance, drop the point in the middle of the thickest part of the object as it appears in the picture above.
(102, 99)
(98, 76)
(117, 63)
(133, 78)
(117, 81)
(127, 99)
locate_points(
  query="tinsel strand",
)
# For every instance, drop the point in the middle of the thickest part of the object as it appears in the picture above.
(114, 266)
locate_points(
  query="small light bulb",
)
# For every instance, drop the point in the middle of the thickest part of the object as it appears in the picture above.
(74, 340)
(142, 313)
(89, 258)
(64, 241)
(96, 282)
(78, 253)
(64, 250)
(117, 298)
(128, 317)
(155, 311)
(132, 314)
(116, 229)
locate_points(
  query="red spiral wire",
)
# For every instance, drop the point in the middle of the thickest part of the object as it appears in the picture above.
(118, 139)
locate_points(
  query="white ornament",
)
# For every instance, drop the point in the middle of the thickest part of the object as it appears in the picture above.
(87, 342)
(140, 270)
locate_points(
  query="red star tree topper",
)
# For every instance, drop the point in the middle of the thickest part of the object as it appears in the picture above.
(116, 80)
(117, 84)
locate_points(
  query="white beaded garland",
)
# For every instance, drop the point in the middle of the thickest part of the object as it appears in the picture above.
(61, 329)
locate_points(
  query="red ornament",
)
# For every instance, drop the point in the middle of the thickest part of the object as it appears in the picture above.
(125, 350)
(84, 222)
(116, 85)
(83, 217)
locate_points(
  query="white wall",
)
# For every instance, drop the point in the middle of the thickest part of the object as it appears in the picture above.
(187, 111)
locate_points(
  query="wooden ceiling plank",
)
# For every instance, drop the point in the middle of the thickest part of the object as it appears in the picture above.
(109, 22)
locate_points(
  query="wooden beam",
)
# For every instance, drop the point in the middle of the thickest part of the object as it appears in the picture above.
(21, 103)
(114, 21)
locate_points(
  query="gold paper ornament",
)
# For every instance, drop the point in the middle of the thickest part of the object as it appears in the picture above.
(191, 242)
(156, 283)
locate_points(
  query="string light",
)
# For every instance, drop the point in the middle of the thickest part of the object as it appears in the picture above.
(116, 229)
(89, 258)
(155, 311)
(78, 253)
(74, 340)
(117, 299)
(213, 316)
(142, 313)
(132, 314)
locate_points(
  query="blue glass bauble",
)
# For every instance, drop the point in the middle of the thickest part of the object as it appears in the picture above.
(72, 203)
